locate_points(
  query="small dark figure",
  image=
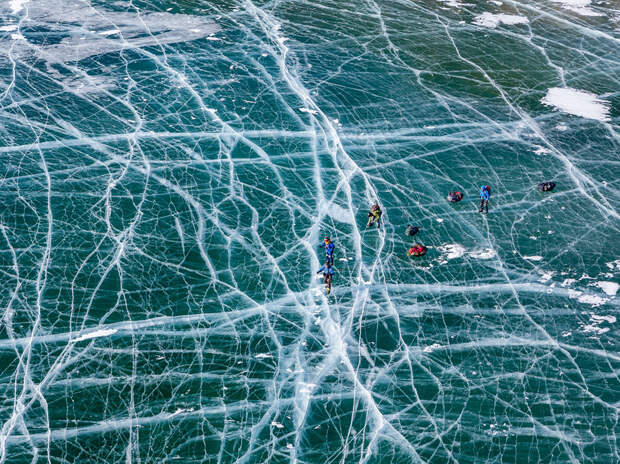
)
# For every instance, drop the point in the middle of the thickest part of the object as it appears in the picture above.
(329, 249)
(374, 216)
(455, 197)
(417, 250)
(485, 194)
(411, 231)
(328, 273)
(546, 186)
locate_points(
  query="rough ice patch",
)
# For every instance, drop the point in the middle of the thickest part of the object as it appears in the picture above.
(428, 349)
(95, 334)
(541, 150)
(338, 213)
(546, 276)
(613, 265)
(493, 20)
(577, 102)
(17, 5)
(487, 253)
(593, 300)
(578, 6)
(152, 28)
(595, 324)
(452, 3)
(452, 250)
(610, 288)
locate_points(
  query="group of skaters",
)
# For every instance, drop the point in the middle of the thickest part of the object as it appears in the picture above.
(374, 217)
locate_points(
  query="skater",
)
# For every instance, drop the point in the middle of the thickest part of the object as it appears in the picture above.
(328, 273)
(374, 216)
(485, 194)
(417, 250)
(329, 249)
(455, 197)
(546, 186)
(411, 230)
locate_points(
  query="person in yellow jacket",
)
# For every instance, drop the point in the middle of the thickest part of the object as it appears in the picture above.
(374, 217)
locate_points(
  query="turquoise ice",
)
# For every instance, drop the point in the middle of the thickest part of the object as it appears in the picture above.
(169, 170)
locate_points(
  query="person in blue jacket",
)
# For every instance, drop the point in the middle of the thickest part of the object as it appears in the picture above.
(485, 194)
(328, 273)
(329, 250)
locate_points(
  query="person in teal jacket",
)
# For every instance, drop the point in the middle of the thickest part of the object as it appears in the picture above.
(485, 194)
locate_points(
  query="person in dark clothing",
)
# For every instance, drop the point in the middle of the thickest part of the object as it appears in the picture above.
(328, 273)
(374, 216)
(411, 230)
(546, 186)
(485, 194)
(329, 249)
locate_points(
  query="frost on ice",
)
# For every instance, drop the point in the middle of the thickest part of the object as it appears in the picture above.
(577, 102)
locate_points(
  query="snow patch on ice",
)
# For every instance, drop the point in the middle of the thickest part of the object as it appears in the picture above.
(95, 334)
(600, 319)
(533, 258)
(308, 110)
(263, 355)
(593, 300)
(595, 324)
(8, 28)
(577, 102)
(110, 32)
(578, 6)
(610, 288)
(493, 20)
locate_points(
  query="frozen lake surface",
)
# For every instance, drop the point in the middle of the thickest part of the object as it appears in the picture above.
(169, 170)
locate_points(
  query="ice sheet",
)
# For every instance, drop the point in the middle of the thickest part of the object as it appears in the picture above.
(169, 170)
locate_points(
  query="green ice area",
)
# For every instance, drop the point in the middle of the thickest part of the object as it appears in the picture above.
(169, 170)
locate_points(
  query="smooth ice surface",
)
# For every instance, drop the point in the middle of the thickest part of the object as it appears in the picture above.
(577, 102)
(169, 169)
